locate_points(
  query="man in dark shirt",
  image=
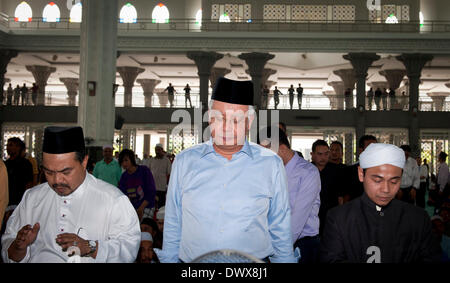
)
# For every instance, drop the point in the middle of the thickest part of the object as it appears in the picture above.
(20, 170)
(376, 227)
(299, 95)
(170, 92)
(330, 178)
(353, 188)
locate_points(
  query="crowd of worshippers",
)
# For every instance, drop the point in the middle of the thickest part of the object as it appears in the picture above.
(262, 199)
(19, 95)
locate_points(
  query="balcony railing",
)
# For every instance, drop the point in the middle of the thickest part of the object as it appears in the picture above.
(254, 25)
(309, 102)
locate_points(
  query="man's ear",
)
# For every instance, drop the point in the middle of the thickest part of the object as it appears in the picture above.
(360, 174)
(85, 161)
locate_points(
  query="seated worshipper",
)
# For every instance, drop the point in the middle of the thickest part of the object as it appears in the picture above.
(138, 184)
(304, 195)
(146, 254)
(376, 227)
(108, 169)
(150, 225)
(228, 193)
(73, 209)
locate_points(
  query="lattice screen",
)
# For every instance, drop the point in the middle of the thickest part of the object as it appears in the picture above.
(344, 13)
(388, 10)
(432, 143)
(405, 13)
(397, 137)
(236, 12)
(274, 12)
(181, 141)
(309, 12)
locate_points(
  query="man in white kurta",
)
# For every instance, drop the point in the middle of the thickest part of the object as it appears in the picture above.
(73, 209)
(100, 212)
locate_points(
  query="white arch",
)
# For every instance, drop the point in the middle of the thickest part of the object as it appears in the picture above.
(23, 13)
(128, 14)
(76, 13)
(51, 13)
(160, 14)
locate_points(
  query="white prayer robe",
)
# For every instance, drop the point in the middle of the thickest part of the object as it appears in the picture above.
(101, 210)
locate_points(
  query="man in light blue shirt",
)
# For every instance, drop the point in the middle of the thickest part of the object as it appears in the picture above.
(108, 169)
(304, 196)
(228, 193)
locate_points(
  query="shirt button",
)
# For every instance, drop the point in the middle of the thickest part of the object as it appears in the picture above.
(381, 213)
(62, 230)
(63, 215)
(65, 201)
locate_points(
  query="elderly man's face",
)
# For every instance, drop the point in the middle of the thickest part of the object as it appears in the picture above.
(229, 124)
(108, 153)
(146, 252)
(159, 151)
(64, 172)
(381, 183)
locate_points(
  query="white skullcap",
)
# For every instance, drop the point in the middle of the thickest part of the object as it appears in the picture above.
(159, 145)
(108, 146)
(161, 212)
(146, 236)
(436, 217)
(377, 154)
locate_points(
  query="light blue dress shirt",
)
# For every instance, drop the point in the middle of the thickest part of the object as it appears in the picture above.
(214, 203)
(304, 197)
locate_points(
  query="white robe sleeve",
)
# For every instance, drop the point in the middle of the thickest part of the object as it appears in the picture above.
(124, 236)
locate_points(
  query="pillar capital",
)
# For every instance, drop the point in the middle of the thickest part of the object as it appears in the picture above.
(204, 60)
(379, 84)
(256, 62)
(72, 89)
(361, 62)
(216, 73)
(129, 74)
(347, 76)
(447, 84)
(394, 77)
(414, 63)
(438, 99)
(41, 75)
(336, 97)
(148, 86)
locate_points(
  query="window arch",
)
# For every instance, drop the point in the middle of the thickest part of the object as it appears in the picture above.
(198, 17)
(160, 14)
(51, 13)
(23, 13)
(76, 13)
(128, 14)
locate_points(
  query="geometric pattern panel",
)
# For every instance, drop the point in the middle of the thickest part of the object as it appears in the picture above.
(309, 12)
(344, 13)
(373, 16)
(274, 12)
(387, 11)
(247, 11)
(232, 10)
(405, 13)
(215, 12)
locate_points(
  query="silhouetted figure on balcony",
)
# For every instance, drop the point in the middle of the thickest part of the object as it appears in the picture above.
(276, 96)
(265, 97)
(24, 94)
(370, 99)
(9, 95)
(291, 91)
(384, 96)
(171, 94)
(16, 95)
(392, 99)
(187, 95)
(378, 93)
(299, 96)
(34, 92)
(348, 95)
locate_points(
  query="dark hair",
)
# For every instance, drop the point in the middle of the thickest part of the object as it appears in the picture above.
(319, 143)
(442, 156)
(17, 141)
(282, 137)
(150, 222)
(130, 154)
(406, 148)
(365, 138)
(80, 155)
(338, 143)
(283, 126)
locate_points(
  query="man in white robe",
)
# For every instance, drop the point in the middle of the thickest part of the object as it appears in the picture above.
(74, 209)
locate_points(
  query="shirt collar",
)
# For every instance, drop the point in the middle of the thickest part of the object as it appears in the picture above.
(373, 206)
(292, 162)
(210, 148)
